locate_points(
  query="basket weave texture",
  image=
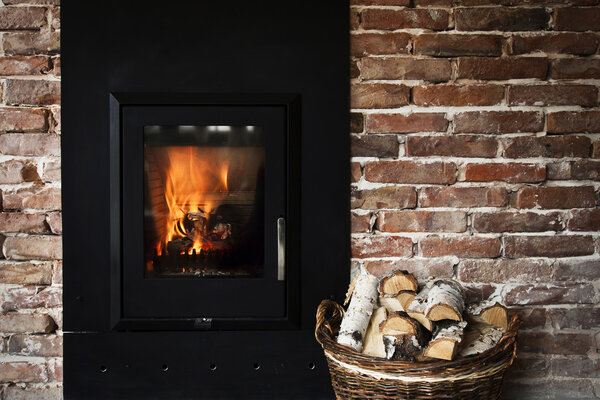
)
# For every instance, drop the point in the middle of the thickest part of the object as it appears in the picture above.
(356, 376)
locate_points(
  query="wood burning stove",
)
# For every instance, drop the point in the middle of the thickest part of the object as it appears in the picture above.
(205, 159)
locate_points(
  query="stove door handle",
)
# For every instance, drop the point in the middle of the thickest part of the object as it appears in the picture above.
(281, 249)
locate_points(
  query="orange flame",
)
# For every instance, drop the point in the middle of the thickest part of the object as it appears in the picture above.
(193, 173)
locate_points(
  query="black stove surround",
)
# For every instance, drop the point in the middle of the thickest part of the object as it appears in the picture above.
(267, 77)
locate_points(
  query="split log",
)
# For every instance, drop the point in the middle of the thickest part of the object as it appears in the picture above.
(479, 338)
(445, 300)
(446, 340)
(417, 307)
(356, 320)
(373, 343)
(399, 323)
(489, 311)
(402, 347)
(350, 290)
(396, 282)
(399, 302)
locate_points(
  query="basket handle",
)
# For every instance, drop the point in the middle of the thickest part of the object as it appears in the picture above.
(337, 313)
(510, 335)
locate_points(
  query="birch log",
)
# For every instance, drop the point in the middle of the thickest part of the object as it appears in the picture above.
(402, 347)
(356, 320)
(479, 338)
(445, 301)
(417, 307)
(396, 282)
(373, 343)
(489, 311)
(446, 340)
(399, 302)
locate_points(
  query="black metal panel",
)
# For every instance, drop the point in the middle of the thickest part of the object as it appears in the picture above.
(238, 46)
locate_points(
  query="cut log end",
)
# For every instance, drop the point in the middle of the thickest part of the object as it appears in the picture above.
(397, 282)
(399, 302)
(399, 323)
(444, 349)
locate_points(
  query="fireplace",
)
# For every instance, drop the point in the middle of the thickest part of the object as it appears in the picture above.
(205, 201)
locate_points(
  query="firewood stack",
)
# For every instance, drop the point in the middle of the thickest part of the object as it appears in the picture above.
(396, 318)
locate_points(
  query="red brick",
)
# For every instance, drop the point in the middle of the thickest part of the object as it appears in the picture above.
(55, 119)
(435, 19)
(433, 70)
(463, 247)
(405, 3)
(575, 367)
(422, 221)
(504, 271)
(19, 298)
(452, 146)
(20, 65)
(545, 294)
(379, 95)
(38, 345)
(577, 19)
(18, 171)
(381, 246)
(462, 197)
(374, 146)
(55, 372)
(547, 146)
(355, 175)
(507, 221)
(498, 122)
(33, 247)
(561, 343)
(32, 92)
(574, 318)
(574, 122)
(34, 393)
(54, 221)
(398, 123)
(458, 95)
(37, 198)
(550, 388)
(22, 120)
(531, 366)
(553, 95)
(22, 371)
(532, 317)
(410, 172)
(596, 149)
(27, 44)
(477, 293)
(12, 18)
(577, 270)
(555, 43)
(354, 19)
(502, 68)
(451, 45)
(25, 273)
(51, 171)
(360, 223)
(385, 197)
(354, 70)
(575, 170)
(30, 144)
(22, 222)
(24, 323)
(49, 2)
(585, 220)
(501, 19)
(420, 268)
(556, 197)
(575, 68)
(56, 70)
(379, 44)
(548, 246)
(357, 123)
(507, 172)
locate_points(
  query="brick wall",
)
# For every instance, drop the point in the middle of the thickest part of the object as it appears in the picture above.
(30, 218)
(475, 129)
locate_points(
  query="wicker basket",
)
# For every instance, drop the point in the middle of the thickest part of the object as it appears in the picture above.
(355, 376)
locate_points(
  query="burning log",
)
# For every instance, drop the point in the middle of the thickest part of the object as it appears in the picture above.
(221, 231)
(489, 311)
(445, 301)
(446, 339)
(396, 282)
(373, 343)
(179, 245)
(355, 321)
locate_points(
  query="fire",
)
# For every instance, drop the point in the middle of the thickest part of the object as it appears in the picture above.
(193, 174)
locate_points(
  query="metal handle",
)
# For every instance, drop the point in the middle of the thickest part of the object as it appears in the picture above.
(280, 249)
